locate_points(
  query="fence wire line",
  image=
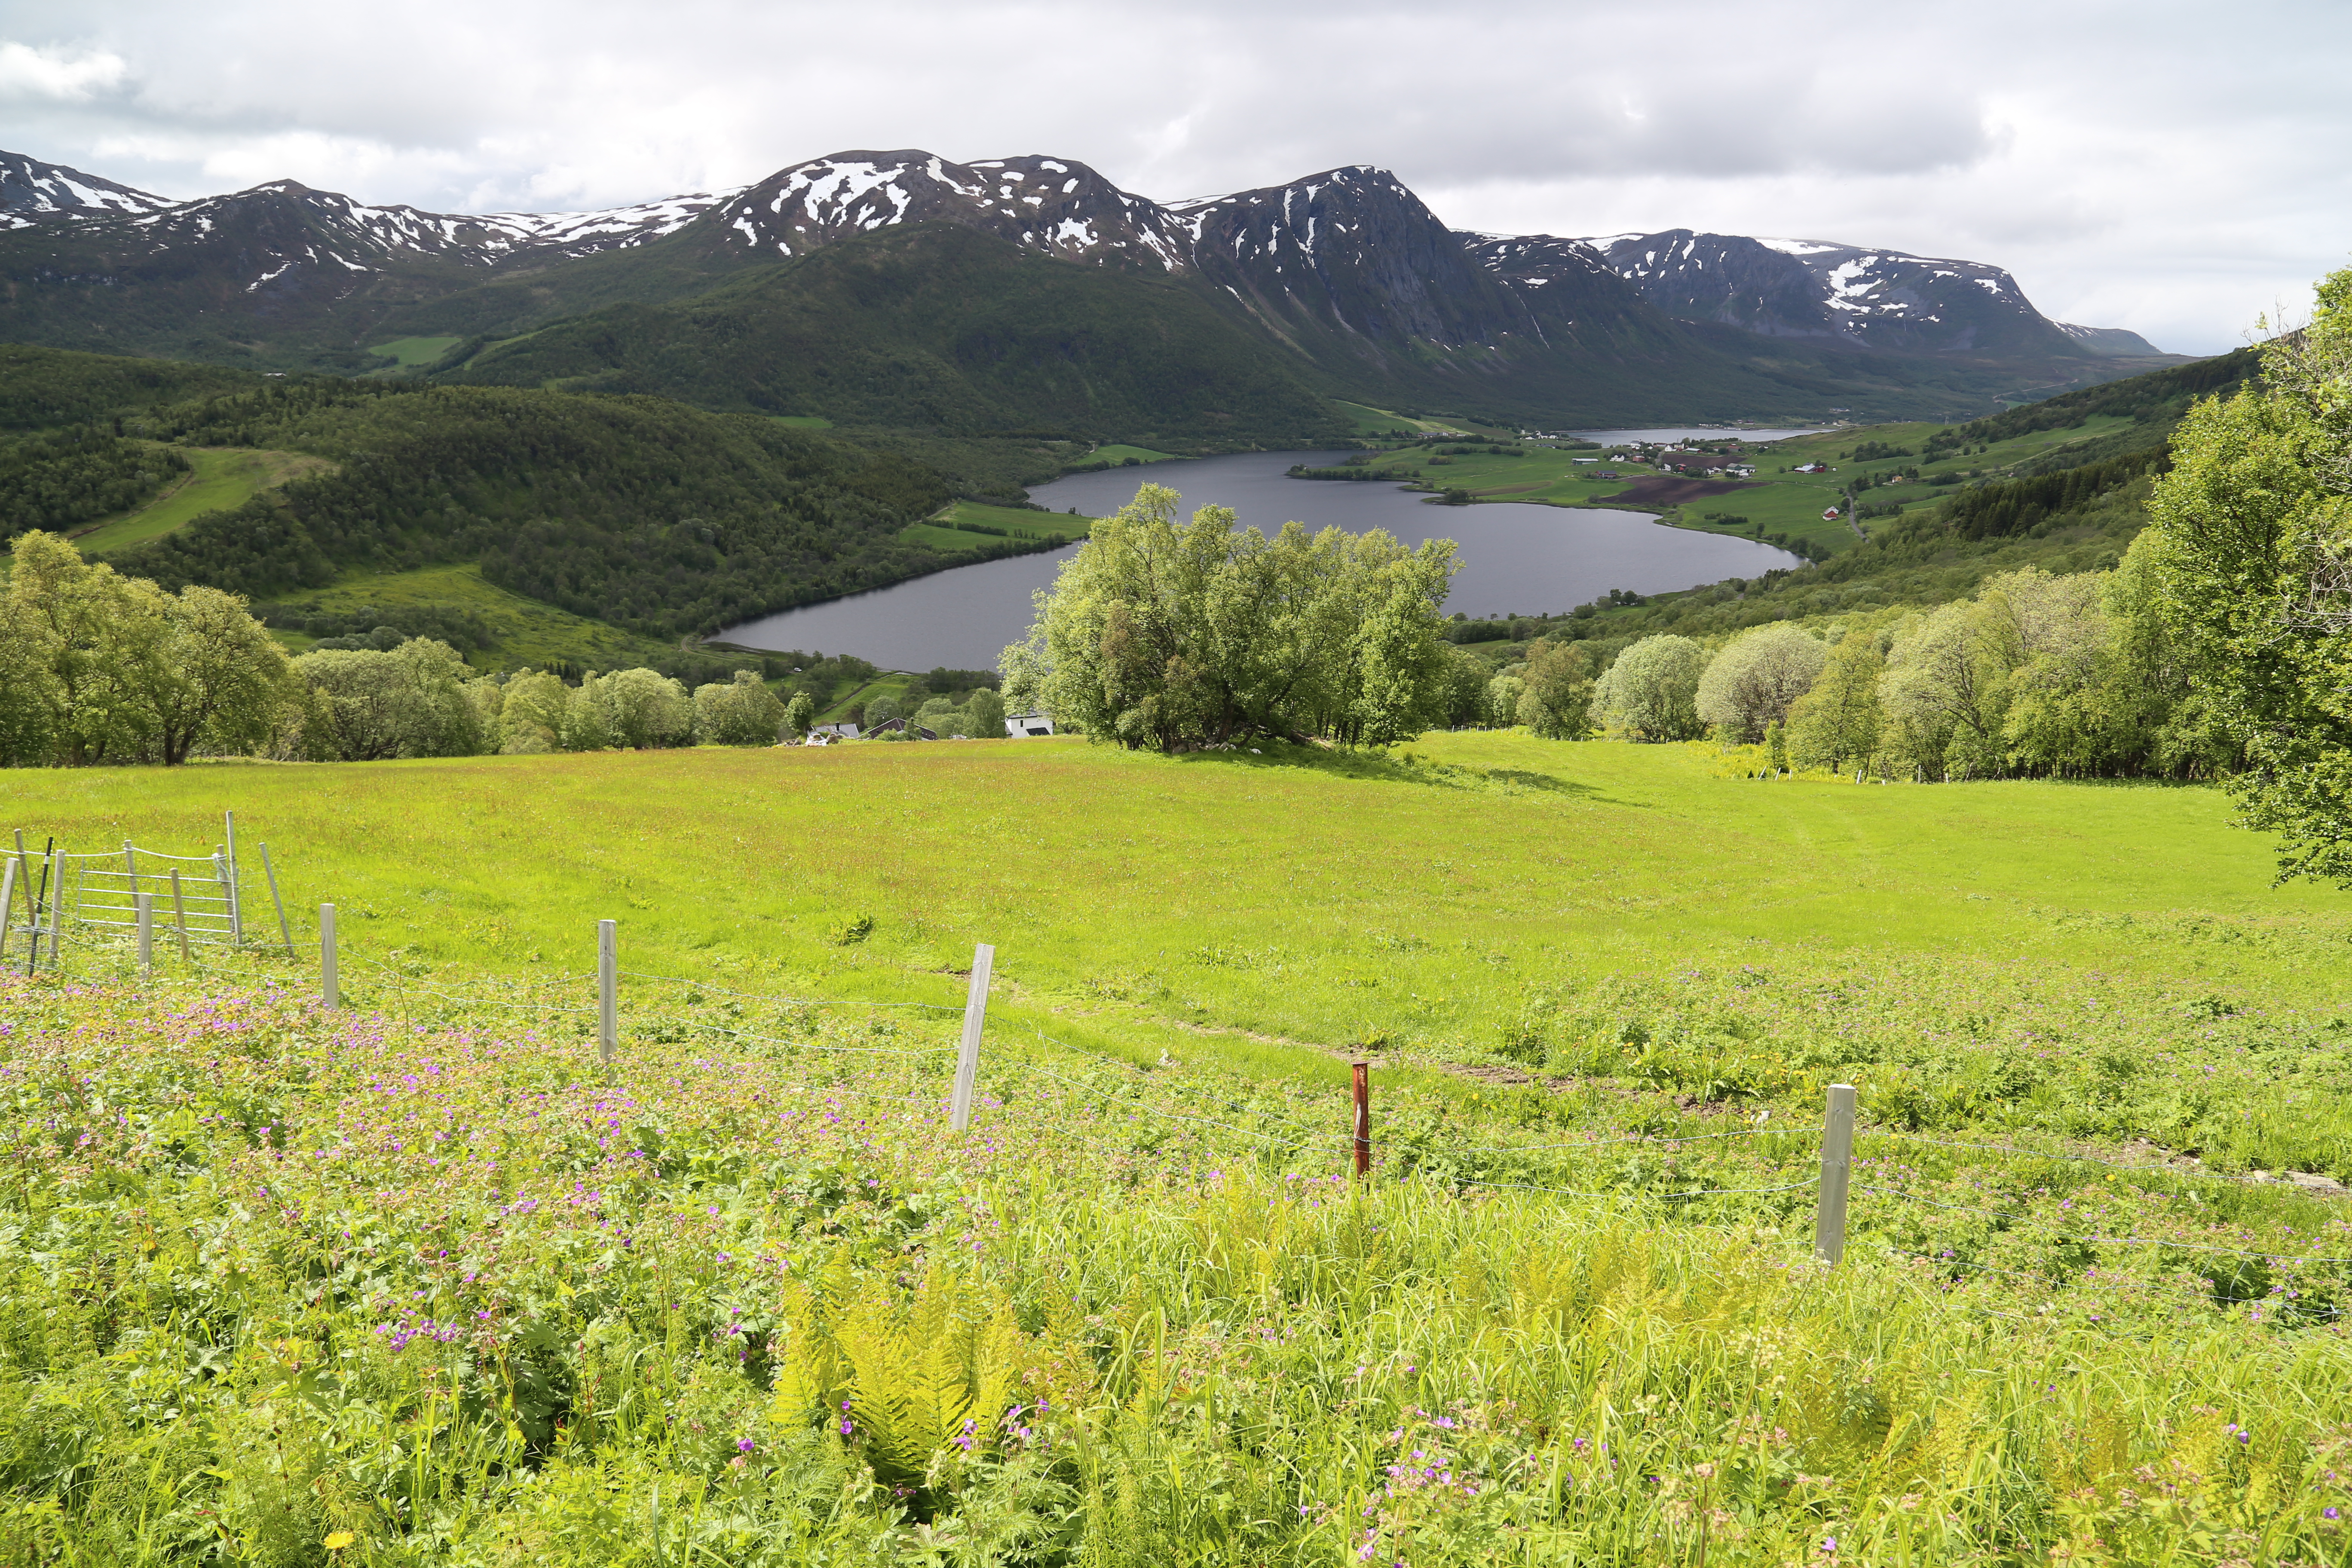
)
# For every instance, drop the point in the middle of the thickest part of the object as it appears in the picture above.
(783, 1001)
(1095, 1094)
(2142, 1169)
(1635, 1138)
(1630, 1193)
(2115, 1240)
(1110, 1061)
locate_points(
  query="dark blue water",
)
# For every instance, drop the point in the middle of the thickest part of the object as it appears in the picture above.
(1516, 559)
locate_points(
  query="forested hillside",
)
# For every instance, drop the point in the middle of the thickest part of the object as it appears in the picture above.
(938, 328)
(641, 511)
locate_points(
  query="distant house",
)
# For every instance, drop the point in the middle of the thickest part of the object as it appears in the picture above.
(1830, 515)
(826, 735)
(900, 727)
(1021, 726)
(1584, 459)
(1812, 469)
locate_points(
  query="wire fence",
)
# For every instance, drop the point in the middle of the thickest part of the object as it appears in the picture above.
(94, 904)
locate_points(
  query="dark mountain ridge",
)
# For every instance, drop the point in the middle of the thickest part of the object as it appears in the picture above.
(1345, 276)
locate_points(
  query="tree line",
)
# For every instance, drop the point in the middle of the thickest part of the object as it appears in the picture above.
(105, 667)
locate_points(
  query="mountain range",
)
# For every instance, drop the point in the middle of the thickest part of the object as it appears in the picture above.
(899, 288)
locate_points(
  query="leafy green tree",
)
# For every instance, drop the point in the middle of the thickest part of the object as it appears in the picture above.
(1838, 719)
(1466, 675)
(1653, 690)
(1555, 699)
(742, 712)
(1752, 683)
(95, 643)
(1170, 636)
(222, 680)
(534, 714)
(642, 710)
(2250, 530)
(984, 715)
(800, 713)
(367, 706)
(880, 710)
(1503, 694)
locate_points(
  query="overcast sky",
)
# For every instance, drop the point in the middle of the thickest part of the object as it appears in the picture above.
(2176, 169)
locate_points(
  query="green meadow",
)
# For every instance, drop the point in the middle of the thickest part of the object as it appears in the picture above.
(425, 1281)
(223, 477)
(408, 353)
(525, 631)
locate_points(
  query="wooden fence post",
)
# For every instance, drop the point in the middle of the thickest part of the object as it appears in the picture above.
(1837, 1169)
(8, 901)
(331, 986)
(1361, 1073)
(146, 903)
(975, 1018)
(608, 1024)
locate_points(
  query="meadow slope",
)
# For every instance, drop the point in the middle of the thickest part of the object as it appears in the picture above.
(426, 1282)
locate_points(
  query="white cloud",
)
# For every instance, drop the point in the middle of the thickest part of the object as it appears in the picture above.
(57, 75)
(2171, 174)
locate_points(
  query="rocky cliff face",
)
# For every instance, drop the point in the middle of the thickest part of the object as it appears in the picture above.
(1814, 289)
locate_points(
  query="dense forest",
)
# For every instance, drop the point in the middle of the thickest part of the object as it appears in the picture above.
(656, 517)
(940, 329)
(58, 480)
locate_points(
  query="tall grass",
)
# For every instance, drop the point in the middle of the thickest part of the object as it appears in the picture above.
(292, 1287)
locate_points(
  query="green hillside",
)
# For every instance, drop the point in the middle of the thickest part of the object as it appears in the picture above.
(936, 327)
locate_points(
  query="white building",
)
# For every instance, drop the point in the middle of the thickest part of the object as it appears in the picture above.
(1021, 726)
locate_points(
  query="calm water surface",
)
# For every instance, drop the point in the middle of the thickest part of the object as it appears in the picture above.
(1516, 559)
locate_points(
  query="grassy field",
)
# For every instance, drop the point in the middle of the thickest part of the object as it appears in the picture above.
(527, 631)
(407, 353)
(222, 477)
(1116, 453)
(742, 1297)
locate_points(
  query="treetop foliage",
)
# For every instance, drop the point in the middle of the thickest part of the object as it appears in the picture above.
(1173, 635)
(2250, 550)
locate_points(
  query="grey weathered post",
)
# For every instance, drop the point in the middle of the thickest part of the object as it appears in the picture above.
(146, 903)
(284, 934)
(8, 901)
(975, 1016)
(228, 880)
(1837, 1169)
(608, 1025)
(180, 917)
(331, 988)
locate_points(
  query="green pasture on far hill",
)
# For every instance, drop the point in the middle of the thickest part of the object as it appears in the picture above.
(407, 353)
(222, 477)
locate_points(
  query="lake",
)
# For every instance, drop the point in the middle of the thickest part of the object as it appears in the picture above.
(1516, 559)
